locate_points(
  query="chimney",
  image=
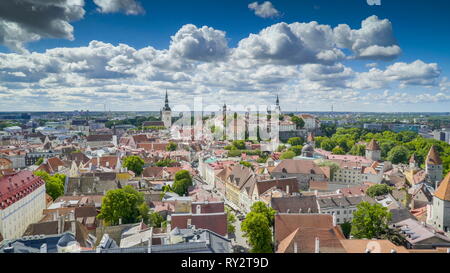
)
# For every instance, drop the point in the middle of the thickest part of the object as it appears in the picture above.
(189, 222)
(295, 247)
(287, 189)
(393, 251)
(199, 209)
(60, 224)
(317, 245)
(367, 250)
(334, 219)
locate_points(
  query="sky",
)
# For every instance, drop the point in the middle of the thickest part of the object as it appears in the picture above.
(123, 55)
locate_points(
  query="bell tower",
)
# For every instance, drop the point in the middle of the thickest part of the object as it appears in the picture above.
(166, 113)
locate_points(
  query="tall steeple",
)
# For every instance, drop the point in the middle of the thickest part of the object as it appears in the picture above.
(166, 105)
(278, 108)
(166, 113)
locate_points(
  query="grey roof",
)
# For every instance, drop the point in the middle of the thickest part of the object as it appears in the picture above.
(341, 202)
(295, 203)
(32, 244)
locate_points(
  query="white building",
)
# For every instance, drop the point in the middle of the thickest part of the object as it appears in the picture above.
(440, 212)
(22, 201)
(166, 114)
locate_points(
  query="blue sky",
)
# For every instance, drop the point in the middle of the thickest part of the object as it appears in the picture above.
(419, 30)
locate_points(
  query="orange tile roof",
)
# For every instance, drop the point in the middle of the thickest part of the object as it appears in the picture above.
(373, 146)
(433, 157)
(443, 191)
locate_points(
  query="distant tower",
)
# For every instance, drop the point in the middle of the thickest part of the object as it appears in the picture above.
(247, 118)
(278, 108)
(166, 114)
(373, 151)
(310, 139)
(413, 162)
(224, 114)
(433, 166)
(269, 117)
(441, 206)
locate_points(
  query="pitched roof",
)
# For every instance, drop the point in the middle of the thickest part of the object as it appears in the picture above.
(286, 223)
(282, 183)
(153, 171)
(443, 191)
(295, 204)
(375, 246)
(99, 138)
(299, 166)
(373, 146)
(433, 157)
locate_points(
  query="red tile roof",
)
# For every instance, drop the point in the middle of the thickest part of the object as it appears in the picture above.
(17, 186)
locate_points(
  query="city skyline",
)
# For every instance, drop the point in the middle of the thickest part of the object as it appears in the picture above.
(86, 54)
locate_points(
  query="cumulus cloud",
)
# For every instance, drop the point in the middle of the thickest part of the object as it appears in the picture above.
(264, 10)
(129, 7)
(374, 40)
(31, 20)
(200, 44)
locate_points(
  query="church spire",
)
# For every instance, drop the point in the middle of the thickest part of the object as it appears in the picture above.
(278, 101)
(166, 105)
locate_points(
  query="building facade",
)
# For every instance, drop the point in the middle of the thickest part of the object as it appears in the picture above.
(22, 201)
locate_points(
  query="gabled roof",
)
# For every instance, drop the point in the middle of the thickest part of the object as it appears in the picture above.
(433, 157)
(373, 146)
(443, 191)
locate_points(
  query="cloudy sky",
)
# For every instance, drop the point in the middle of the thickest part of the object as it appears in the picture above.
(85, 54)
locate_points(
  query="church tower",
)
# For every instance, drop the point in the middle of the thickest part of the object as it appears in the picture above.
(433, 166)
(224, 115)
(373, 151)
(166, 114)
(278, 108)
(440, 216)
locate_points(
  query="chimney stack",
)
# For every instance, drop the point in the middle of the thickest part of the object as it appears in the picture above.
(287, 189)
(295, 247)
(334, 220)
(317, 245)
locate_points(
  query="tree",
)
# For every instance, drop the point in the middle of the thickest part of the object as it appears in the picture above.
(39, 161)
(260, 207)
(287, 155)
(294, 141)
(338, 151)
(281, 148)
(172, 146)
(398, 154)
(358, 149)
(134, 163)
(165, 162)
(257, 229)
(126, 204)
(231, 219)
(378, 189)
(328, 144)
(296, 149)
(246, 164)
(183, 181)
(346, 229)
(54, 185)
(239, 144)
(370, 221)
(299, 122)
(156, 219)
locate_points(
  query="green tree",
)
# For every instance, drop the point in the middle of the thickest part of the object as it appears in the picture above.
(281, 148)
(125, 204)
(296, 149)
(370, 221)
(299, 122)
(165, 162)
(358, 149)
(294, 141)
(239, 144)
(346, 229)
(54, 185)
(172, 146)
(246, 164)
(338, 151)
(398, 154)
(231, 219)
(328, 144)
(156, 219)
(39, 161)
(257, 228)
(287, 155)
(182, 182)
(378, 190)
(134, 163)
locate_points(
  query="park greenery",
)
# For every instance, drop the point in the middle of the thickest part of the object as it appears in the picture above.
(378, 190)
(395, 147)
(181, 184)
(172, 146)
(370, 221)
(167, 162)
(126, 204)
(39, 161)
(134, 163)
(257, 227)
(54, 184)
(287, 155)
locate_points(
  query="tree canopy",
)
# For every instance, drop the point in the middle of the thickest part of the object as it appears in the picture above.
(182, 182)
(378, 190)
(134, 163)
(370, 221)
(172, 146)
(257, 228)
(126, 204)
(287, 155)
(54, 185)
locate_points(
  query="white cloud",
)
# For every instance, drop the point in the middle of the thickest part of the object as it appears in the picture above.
(31, 20)
(129, 7)
(264, 10)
